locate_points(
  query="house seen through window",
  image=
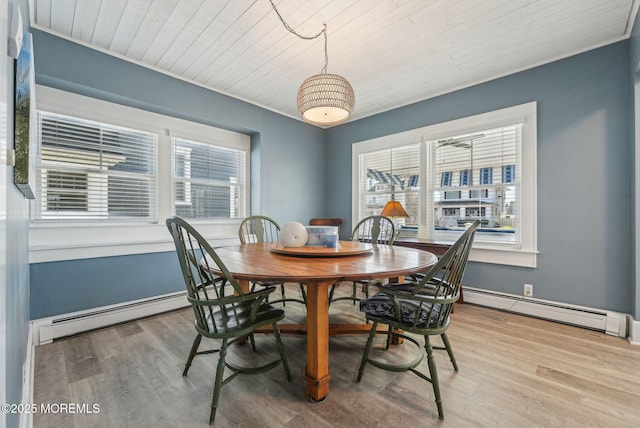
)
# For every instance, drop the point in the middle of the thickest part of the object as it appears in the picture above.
(94, 171)
(208, 180)
(460, 183)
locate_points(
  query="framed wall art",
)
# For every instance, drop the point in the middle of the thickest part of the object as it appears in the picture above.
(25, 120)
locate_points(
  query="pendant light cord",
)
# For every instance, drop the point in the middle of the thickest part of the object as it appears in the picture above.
(294, 32)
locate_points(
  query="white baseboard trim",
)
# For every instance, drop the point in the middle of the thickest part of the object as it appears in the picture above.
(634, 336)
(612, 323)
(45, 330)
(26, 418)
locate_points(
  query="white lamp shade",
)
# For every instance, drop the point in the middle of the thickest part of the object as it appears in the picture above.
(325, 99)
(293, 234)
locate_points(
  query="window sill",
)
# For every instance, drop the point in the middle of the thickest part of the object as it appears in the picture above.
(50, 243)
(480, 254)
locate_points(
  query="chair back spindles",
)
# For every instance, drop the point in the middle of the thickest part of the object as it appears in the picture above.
(258, 228)
(376, 229)
(213, 299)
(445, 278)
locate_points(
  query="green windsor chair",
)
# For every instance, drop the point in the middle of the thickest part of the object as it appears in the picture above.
(376, 229)
(222, 310)
(420, 309)
(260, 228)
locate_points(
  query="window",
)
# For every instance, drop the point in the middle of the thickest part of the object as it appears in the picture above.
(477, 152)
(66, 191)
(465, 177)
(486, 175)
(94, 171)
(445, 179)
(387, 173)
(478, 194)
(472, 148)
(508, 173)
(475, 213)
(108, 176)
(208, 181)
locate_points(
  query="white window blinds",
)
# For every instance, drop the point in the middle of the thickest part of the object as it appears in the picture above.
(94, 171)
(390, 172)
(209, 181)
(481, 167)
(488, 189)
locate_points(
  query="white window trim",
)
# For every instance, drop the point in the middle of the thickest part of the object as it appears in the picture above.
(185, 155)
(73, 240)
(526, 254)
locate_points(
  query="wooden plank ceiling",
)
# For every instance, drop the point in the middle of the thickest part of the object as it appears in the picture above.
(394, 52)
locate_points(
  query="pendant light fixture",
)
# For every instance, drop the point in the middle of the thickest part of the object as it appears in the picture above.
(323, 99)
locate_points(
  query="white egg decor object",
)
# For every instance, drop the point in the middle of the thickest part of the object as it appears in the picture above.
(293, 234)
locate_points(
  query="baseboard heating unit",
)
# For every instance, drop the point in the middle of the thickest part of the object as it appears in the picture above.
(612, 323)
(45, 330)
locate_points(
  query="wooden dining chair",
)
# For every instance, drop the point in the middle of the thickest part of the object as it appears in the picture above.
(421, 309)
(376, 229)
(222, 310)
(259, 228)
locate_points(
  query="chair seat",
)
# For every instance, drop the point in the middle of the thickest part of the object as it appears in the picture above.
(228, 320)
(380, 306)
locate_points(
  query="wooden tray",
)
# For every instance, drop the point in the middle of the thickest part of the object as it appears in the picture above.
(344, 248)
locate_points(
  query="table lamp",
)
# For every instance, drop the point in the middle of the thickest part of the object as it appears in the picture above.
(392, 210)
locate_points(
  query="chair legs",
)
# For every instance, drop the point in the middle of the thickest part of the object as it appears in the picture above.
(433, 373)
(447, 346)
(304, 294)
(280, 347)
(331, 291)
(194, 351)
(220, 381)
(354, 293)
(284, 299)
(367, 349)
(431, 362)
(217, 386)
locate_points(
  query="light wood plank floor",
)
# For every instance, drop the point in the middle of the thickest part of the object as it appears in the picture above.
(515, 371)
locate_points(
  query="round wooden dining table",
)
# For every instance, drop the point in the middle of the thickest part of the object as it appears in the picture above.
(318, 268)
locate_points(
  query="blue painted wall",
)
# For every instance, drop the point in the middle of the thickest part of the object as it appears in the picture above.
(584, 169)
(634, 72)
(14, 251)
(287, 169)
(584, 173)
(75, 285)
